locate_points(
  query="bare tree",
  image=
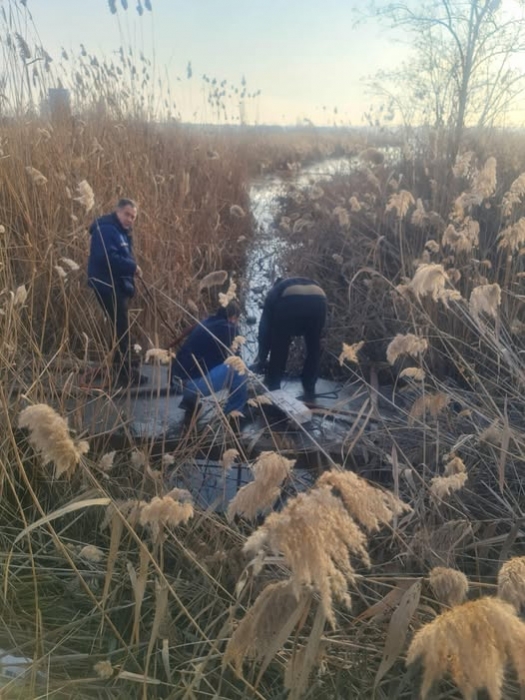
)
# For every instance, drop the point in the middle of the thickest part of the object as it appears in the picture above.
(464, 68)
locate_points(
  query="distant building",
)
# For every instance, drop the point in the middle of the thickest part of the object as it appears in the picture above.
(58, 104)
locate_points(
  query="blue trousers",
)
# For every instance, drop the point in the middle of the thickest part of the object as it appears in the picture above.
(220, 377)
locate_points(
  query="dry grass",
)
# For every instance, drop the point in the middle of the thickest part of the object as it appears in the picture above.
(151, 596)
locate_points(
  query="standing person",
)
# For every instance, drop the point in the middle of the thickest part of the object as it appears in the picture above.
(293, 307)
(111, 271)
(199, 364)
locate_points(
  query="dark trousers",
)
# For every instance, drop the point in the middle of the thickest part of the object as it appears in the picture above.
(116, 309)
(296, 316)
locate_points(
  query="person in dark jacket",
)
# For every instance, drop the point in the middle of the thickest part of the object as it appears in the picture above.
(293, 307)
(199, 364)
(111, 271)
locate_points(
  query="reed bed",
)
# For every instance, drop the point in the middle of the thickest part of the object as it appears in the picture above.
(116, 585)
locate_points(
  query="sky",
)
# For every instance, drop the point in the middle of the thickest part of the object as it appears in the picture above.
(306, 57)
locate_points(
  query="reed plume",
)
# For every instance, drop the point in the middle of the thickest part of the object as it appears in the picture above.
(449, 585)
(213, 279)
(408, 344)
(400, 202)
(513, 196)
(430, 279)
(485, 299)
(269, 471)
(314, 533)
(474, 643)
(349, 353)
(49, 436)
(256, 633)
(370, 506)
(511, 582)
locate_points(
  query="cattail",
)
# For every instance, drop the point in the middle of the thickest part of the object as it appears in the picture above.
(431, 403)
(237, 211)
(37, 177)
(61, 272)
(159, 355)
(73, 266)
(231, 294)
(342, 216)
(485, 299)
(2, 229)
(269, 472)
(511, 582)
(104, 669)
(408, 344)
(419, 216)
(229, 458)
(314, 533)
(91, 553)
(86, 195)
(415, 373)
(400, 202)
(513, 237)
(237, 343)
(349, 353)
(137, 348)
(338, 258)
(49, 436)
(214, 279)
(449, 585)
(513, 196)
(257, 631)
(474, 643)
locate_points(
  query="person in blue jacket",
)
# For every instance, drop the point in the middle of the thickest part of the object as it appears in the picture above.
(111, 271)
(293, 307)
(199, 364)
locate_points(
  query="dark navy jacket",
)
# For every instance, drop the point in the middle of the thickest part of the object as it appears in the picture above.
(298, 287)
(111, 263)
(207, 346)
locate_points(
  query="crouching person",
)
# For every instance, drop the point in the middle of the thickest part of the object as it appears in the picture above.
(294, 307)
(204, 365)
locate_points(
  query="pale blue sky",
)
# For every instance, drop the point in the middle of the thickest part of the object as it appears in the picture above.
(302, 54)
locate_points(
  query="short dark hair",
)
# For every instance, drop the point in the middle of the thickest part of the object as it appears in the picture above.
(125, 202)
(231, 309)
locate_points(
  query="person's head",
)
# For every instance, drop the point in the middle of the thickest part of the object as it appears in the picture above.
(126, 211)
(233, 311)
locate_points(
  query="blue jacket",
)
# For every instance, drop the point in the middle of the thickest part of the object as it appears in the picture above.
(111, 263)
(207, 346)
